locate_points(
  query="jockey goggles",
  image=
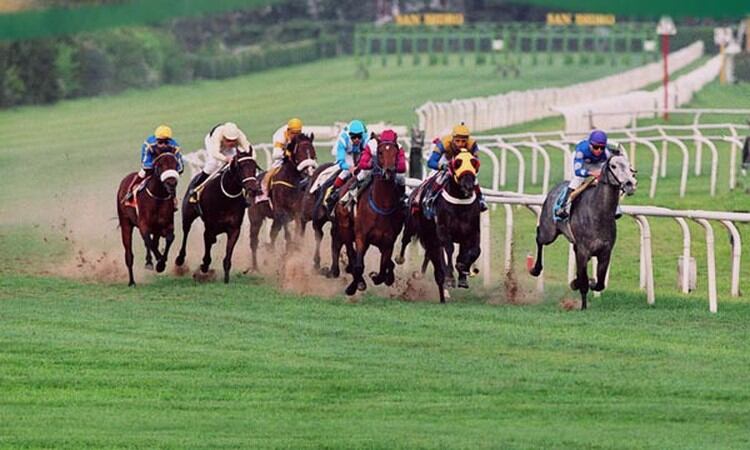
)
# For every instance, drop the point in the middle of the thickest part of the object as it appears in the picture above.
(598, 146)
(355, 136)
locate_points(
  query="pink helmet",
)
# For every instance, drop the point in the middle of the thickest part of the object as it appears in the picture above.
(388, 136)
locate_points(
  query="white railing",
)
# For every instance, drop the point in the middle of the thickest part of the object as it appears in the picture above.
(641, 214)
(621, 110)
(485, 113)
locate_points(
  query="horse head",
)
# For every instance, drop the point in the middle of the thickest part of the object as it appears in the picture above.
(620, 173)
(303, 153)
(246, 169)
(463, 169)
(387, 157)
(165, 169)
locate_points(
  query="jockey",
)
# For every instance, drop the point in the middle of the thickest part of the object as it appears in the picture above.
(159, 142)
(221, 143)
(351, 142)
(590, 156)
(369, 159)
(281, 140)
(445, 148)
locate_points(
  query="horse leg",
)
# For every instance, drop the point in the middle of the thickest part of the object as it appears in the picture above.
(601, 270)
(544, 236)
(208, 240)
(232, 237)
(581, 283)
(151, 244)
(405, 241)
(435, 255)
(358, 268)
(149, 261)
(255, 226)
(126, 231)
(467, 255)
(447, 252)
(162, 263)
(290, 247)
(187, 222)
(275, 228)
(336, 244)
(318, 229)
(386, 268)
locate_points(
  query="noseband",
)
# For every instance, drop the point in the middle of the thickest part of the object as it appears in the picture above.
(242, 182)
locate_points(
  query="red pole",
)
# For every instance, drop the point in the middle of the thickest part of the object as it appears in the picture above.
(664, 54)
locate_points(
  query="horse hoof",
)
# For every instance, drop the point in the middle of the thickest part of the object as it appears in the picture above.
(390, 279)
(399, 260)
(376, 278)
(131, 284)
(160, 266)
(180, 260)
(149, 266)
(361, 286)
(535, 272)
(463, 284)
(351, 289)
(574, 285)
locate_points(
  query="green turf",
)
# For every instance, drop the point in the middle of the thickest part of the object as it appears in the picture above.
(176, 364)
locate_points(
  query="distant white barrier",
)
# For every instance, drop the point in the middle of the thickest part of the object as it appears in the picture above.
(485, 113)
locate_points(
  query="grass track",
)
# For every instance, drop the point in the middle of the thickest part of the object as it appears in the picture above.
(174, 364)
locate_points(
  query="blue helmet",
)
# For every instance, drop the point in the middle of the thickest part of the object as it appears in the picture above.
(357, 127)
(598, 137)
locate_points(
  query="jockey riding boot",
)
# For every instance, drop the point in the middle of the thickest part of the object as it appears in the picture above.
(128, 200)
(331, 200)
(403, 198)
(564, 210)
(618, 212)
(353, 194)
(482, 201)
(193, 198)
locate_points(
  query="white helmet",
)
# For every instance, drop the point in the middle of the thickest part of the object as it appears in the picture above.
(231, 131)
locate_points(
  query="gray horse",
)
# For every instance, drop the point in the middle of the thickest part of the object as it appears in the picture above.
(591, 227)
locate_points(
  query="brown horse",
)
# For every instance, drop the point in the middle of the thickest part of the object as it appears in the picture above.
(455, 220)
(286, 190)
(376, 220)
(222, 207)
(154, 214)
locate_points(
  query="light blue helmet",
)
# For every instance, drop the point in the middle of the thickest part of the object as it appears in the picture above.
(357, 127)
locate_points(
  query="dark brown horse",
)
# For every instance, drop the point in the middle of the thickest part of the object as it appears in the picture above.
(154, 214)
(455, 220)
(376, 220)
(313, 208)
(286, 190)
(222, 207)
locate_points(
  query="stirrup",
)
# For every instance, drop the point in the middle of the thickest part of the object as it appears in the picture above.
(193, 197)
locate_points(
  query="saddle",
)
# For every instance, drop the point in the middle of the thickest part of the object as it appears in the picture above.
(133, 201)
(423, 197)
(559, 201)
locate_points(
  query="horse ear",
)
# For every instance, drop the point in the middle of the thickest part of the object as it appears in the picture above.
(373, 135)
(312, 137)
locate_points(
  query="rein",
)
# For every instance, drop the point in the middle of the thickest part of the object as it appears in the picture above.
(170, 173)
(242, 182)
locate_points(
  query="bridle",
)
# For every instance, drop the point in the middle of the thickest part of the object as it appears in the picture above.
(242, 182)
(309, 160)
(163, 176)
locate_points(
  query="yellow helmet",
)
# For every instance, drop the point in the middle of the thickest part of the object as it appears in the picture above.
(294, 125)
(163, 132)
(461, 130)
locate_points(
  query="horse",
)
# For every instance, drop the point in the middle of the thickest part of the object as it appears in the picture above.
(455, 221)
(154, 214)
(221, 205)
(312, 207)
(376, 219)
(591, 227)
(286, 190)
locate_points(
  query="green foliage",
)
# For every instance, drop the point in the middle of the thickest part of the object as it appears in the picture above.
(67, 67)
(742, 67)
(13, 87)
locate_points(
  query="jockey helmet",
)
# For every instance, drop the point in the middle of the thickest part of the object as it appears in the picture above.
(388, 136)
(357, 127)
(460, 130)
(294, 125)
(163, 132)
(598, 137)
(231, 132)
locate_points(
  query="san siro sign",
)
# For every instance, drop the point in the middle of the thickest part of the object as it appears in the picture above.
(430, 19)
(581, 19)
